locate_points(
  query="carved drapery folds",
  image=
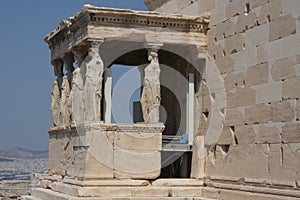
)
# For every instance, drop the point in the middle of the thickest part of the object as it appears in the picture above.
(150, 99)
(56, 92)
(76, 96)
(93, 83)
(80, 101)
(65, 116)
(55, 103)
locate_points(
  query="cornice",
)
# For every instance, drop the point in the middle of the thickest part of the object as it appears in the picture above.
(120, 17)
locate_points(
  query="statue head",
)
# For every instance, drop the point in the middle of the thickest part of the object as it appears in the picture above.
(65, 84)
(152, 56)
(55, 89)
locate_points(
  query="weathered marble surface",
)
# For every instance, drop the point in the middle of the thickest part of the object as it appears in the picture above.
(150, 99)
(55, 103)
(64, 102)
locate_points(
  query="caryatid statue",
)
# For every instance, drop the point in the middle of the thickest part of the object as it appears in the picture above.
(55, 104)
(150, 100)
(65, 97)
(93, 84)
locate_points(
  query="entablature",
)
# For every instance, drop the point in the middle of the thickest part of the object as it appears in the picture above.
(93, 23)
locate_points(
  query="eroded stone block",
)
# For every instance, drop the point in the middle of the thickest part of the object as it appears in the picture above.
(270, 11)
(282, 27)
(138, 141)
(150, 192)
(258, 35)
(136, 164)
(227, 136)
(282, 69)
(281, 163)
(257, 3)
(262, 55)
(245, 134)
(291, 88)
(245, 22)
(234, 80)
(205, 6)
(188, 192)
(235, 44)
(242, 97)
(257, 75)
(269, 92)
(224, 30)
(193, 9)
(290, 6)
(291, 132)
(234, 117)
(216, 51)
(234, 7)
(211, 34)
(104, 192)
(281, 111)
(225, 64)
(267, 135)
(257, 114)
(52, 161)
(279, 49)
(246, 58)
(238, 162)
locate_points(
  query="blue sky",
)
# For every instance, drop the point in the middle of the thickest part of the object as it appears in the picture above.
(26, 73)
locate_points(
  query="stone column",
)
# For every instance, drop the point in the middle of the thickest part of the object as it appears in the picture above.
(151, 97)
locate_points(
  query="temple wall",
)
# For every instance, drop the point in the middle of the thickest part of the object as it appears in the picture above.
(255, 46)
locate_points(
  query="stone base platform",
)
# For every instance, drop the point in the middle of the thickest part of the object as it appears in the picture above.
(162, 189)
(71, 189)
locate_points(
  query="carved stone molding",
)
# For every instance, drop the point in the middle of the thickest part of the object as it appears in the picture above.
(76, 27)
(139, 127)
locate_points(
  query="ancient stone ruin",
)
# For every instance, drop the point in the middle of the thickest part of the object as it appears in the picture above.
(219, 112)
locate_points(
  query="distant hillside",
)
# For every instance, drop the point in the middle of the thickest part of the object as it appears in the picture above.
(23, 153)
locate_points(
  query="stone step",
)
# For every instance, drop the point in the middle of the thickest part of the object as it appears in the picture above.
(161, 189)
(46, 194)
(28, 198)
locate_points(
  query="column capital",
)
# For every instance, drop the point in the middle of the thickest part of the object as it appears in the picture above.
(68, 58)
(68, 61)
(58, 67)
(79, 53)
(94, 43)
(153, 47)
